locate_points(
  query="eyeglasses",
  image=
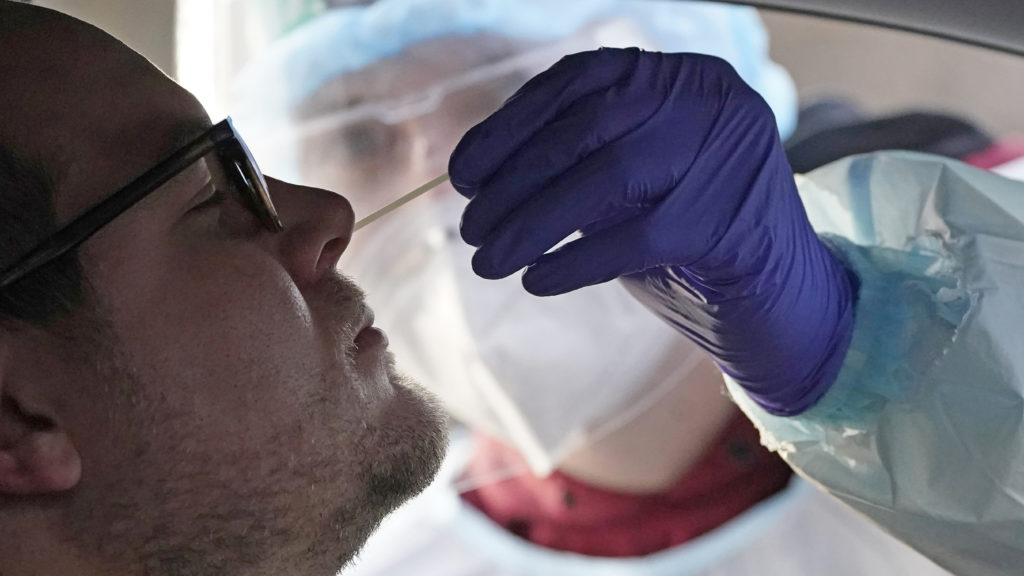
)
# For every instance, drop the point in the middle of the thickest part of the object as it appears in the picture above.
(237, 161)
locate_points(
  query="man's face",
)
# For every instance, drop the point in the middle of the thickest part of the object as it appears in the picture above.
(237, 419)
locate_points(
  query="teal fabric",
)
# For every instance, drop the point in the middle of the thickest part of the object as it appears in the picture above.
(923, 431)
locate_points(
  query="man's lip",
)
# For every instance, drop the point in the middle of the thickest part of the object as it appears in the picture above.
(369, 337)
(367, 320)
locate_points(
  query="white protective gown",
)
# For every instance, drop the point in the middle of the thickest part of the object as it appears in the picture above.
(798, 532)
(922, 431)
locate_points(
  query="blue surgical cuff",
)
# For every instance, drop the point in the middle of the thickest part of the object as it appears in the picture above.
(905, 319)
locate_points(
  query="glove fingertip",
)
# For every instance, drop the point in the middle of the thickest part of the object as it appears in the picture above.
(467, 191)
(462, 179)
(468, 167)
(485, 268)
(538, 282)
(470, 231)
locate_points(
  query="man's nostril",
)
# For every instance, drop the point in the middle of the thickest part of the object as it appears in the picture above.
(330, 253)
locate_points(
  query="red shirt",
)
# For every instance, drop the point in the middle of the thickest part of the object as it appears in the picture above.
(562, 513)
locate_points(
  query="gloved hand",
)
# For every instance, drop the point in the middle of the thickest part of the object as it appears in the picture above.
(672, 168)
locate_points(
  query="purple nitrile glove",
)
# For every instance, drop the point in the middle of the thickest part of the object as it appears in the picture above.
(672, 168)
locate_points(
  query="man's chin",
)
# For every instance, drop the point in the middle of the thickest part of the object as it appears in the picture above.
(415, 427)
(408, 439)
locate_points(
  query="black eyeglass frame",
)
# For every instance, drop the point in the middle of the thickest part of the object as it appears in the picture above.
(238, 163)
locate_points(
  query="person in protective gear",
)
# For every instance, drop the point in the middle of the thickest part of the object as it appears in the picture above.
(627, 457)
(878, 352)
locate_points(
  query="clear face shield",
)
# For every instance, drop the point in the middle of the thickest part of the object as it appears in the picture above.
(546, 375)
(549, 376)
(377, 132)
(379, 149)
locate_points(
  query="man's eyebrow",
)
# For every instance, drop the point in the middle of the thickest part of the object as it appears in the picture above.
(182, 134)
(187, 131)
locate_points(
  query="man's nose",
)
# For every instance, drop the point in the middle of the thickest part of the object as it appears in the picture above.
(318, 226)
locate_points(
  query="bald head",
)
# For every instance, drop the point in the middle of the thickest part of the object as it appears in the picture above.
(86, 103)
(83, 114)
(29, 169)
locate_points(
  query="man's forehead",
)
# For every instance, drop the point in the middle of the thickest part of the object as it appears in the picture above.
(92, 110)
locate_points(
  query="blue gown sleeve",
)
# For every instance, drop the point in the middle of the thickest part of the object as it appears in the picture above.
(922, 431)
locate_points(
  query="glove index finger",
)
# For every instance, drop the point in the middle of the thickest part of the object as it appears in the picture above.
(595, 259)
(486, 146)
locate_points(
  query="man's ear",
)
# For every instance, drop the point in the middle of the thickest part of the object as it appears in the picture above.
(37, 455)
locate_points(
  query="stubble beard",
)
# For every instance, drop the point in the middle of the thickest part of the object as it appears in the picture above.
(417, 436)
(169, 512)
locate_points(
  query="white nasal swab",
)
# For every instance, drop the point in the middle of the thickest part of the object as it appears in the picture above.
(402, 201)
